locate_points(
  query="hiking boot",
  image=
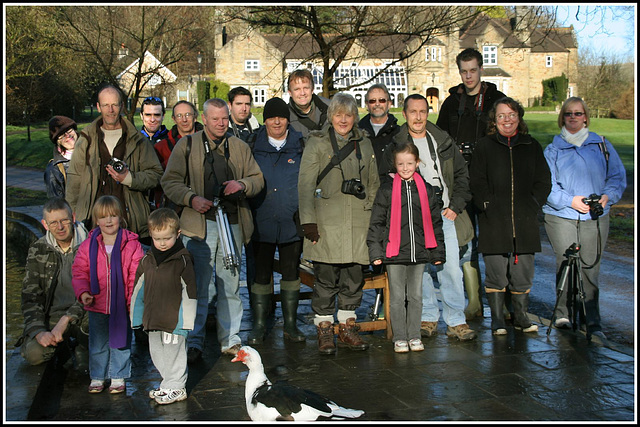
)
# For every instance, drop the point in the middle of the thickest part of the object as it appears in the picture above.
(325, 338)
(428, 329)
(462, 332)
(171, 395)
(348, 336)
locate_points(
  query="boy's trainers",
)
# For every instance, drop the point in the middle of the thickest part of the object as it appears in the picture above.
(117, 386)
(416, 345)
(157, 392)
(172, 395)
(96, 386)
(401, 346)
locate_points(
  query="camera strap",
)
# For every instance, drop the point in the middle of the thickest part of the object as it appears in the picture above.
(338, 154)
(603, 148)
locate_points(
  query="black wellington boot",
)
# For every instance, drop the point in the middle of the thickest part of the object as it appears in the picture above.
(289, 301)
(496, 302)
(260, 308)
(520, 307)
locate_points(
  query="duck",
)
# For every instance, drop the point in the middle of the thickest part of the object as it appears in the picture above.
(281, 401)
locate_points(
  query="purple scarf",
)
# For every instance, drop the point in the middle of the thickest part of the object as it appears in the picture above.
(393, 247)
(118, 319)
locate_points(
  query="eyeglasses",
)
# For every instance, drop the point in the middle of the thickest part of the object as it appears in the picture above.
(58, 224)
(152, 98)
(512, 116)
(185, 115)
(68, 133)
(576, 114)
(381, 101)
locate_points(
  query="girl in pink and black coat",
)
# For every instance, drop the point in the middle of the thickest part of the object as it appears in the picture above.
(405, 233)
(103, 279)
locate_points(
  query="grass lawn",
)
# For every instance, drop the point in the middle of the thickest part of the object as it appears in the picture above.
(24, 197)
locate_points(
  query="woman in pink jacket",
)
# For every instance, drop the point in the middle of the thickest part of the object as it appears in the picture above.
(103, 279)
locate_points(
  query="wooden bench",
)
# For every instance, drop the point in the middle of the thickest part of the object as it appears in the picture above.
(370, 282)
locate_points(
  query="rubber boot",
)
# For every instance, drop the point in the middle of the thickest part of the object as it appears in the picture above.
(289, 299)
(471, 274)
(496, 302)
(520, 307)
(260, 307)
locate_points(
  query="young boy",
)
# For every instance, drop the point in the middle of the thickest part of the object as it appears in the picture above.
(164, 304)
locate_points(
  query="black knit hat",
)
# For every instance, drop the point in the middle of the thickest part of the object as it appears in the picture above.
(58, 125)
(275, 107)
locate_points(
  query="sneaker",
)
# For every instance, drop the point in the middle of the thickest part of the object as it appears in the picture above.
(157, 392)
(599, 334)
(500, 331)
(563, 323)
(462, 332)
(401, 346)
(193, 355)
(416, 345)
(428, 329)
(117, 386)
(96, 386)
(172, 395)
(531, 328)
(233, 350)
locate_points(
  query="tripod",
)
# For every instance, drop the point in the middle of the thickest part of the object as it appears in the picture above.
(571, 274)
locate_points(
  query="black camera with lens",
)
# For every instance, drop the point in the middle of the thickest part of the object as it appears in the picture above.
(117, 164)
(593, 201)
(354, 187)
(466, 148)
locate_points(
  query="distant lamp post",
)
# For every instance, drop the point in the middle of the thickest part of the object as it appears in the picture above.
(199, 58)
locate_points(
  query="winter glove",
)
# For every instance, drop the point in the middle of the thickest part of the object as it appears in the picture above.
(311, 232)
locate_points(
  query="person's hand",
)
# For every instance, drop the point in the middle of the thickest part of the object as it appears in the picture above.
(579, 205)
(311, 232)
(604, 199)
(449, 214)
(118, 177)
(60, 328)
(232, 186)
(377, 262)
(87, 299)
(46, 339)
(437, 263)
(201, 204)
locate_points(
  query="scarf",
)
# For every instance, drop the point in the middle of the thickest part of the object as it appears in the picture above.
(393, 247)
(161, 256)
(575, 138)
(118, 319)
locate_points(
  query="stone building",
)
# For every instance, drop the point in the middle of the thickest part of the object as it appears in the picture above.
(516, 60)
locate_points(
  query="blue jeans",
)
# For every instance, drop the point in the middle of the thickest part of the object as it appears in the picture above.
(106, 362)
(225, 285)
(450, 279)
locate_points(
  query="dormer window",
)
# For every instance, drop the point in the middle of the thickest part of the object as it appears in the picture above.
(433, 54)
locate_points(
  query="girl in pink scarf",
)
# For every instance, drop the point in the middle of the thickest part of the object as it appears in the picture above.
(405, 233)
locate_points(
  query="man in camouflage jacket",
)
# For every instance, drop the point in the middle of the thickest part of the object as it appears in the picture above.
(52, 314)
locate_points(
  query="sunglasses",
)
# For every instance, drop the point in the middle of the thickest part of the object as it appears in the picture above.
(152, 98)
(381, 101)
(577, 114)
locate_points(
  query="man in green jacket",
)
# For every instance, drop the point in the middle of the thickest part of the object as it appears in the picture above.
(113, 158)
(205, 167)
(52, 315)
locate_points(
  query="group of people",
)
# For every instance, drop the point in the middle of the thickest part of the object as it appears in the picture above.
(316, 182)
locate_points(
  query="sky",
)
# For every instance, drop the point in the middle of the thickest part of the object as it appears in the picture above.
(602, 32)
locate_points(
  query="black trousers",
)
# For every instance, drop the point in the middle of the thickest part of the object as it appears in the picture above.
(289, 254)
(342, 280)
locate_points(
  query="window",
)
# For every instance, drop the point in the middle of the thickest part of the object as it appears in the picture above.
(490, 55)
(252, 65)
(259, 95)
(433, 54)
(292, 65)
(549, 61)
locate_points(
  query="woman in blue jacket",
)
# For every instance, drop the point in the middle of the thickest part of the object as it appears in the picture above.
(583, 164)
(278, 151)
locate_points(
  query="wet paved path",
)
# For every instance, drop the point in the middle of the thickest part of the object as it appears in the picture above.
(513, 377)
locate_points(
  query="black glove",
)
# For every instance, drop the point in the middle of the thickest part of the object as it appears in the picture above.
(311, 232)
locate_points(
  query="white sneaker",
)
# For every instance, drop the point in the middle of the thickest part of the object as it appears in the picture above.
(563, 323)
(500, 331)
(416, 345)
(401, 346)
(171, 395)
(157, 392)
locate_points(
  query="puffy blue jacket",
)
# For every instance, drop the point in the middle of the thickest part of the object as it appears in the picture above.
(582, 171)
(273, 208)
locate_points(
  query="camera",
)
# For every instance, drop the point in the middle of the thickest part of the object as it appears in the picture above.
(466, 148)
(594, 205)
(354, 187)
(118, 165)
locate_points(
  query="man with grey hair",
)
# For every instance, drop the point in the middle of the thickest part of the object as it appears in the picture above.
(379, 124)
(205, 166)
(52, 315)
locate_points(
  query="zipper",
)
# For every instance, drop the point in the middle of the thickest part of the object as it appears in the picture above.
(412, 240)
(513, 220)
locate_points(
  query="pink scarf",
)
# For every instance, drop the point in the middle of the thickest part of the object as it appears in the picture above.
(393, 247)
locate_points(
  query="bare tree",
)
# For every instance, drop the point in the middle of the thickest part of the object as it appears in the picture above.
(98, 33)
